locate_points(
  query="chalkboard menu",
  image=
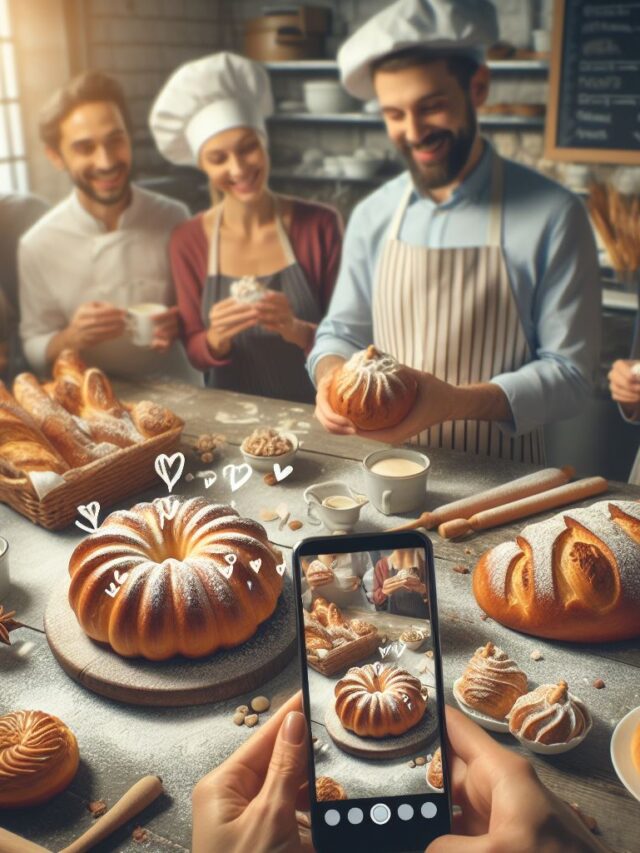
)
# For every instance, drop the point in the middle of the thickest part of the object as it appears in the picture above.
(594, 105)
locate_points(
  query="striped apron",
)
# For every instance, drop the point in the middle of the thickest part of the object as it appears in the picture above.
(451, 312)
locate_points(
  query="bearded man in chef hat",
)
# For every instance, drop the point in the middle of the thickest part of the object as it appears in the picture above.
(477, 273)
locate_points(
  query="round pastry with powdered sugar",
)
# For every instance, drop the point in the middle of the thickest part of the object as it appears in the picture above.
(492, 682)
(549, 715)
(247, 289)
(373, 390)
(572, 577)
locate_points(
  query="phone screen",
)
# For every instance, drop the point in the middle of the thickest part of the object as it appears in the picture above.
(372, 687)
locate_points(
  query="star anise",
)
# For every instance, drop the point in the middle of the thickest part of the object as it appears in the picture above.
(7, 624)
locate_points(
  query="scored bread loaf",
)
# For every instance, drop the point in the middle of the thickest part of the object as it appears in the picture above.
(23, 446)
(573, 577)
(75, 446)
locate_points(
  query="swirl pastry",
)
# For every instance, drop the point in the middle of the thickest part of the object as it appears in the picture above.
(38, 758)
(434, 771)
(492, 682)
(328, 789)
(373, 390)
(549, 714)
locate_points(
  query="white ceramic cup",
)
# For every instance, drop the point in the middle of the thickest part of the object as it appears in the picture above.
(391, 494)
(541, 41)
(140, 322)
(4, 567)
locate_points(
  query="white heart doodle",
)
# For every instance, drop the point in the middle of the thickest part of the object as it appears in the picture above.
(227, 571)
(120, 579)
(384, 651)
(167, 509)
(255, 564)
(164, 465)
(281, 473)
(113, 590)
(237, 475)
(281, 568)
(209, 481)
(91, 512)
(231, 558)
(250, 585)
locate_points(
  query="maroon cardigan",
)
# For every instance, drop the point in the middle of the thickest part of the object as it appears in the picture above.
(316, 239)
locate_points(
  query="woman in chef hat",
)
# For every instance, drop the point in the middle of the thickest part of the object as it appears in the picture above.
(255, 272)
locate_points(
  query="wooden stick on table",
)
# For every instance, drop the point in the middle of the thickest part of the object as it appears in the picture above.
(561, 496)
(12, 843)
(137, 798)
(532, 484)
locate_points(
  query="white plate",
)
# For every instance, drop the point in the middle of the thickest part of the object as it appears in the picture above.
(429, 785)
(621, 752)
(266, 463)
(557, 748)
(484, 720)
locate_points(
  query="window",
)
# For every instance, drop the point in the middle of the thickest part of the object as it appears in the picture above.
(13, 164)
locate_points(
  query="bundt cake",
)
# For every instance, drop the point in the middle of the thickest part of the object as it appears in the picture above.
(377, 700)
(156, 587)
(492, 682)
(373, 390)
(549, 714)
(38, 758)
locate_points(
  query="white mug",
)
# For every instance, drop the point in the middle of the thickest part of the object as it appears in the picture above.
(394, 493)
(4, 567)
(140, 322)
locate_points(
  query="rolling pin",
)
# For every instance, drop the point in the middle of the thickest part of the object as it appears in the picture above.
(11, 843)
(560, 496)
(532, 484)
(137, 798)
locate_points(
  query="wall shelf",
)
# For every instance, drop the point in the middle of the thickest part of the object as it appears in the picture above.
(330, 66)
(374, 120)
(292, 175)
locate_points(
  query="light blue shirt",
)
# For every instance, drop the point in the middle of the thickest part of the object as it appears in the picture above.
(553, 269)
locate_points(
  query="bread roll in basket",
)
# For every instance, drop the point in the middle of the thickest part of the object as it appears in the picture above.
(575, 576)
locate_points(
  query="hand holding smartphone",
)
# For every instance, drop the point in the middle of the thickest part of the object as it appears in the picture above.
(373, 698)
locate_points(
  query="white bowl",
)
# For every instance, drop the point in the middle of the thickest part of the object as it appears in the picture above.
(266, 463)
(557, 748)
(353, 167)
(484, 720)
(326, 96)
(414, 644)
(621, 752)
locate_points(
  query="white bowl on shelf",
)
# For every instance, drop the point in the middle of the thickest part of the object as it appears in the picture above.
(266, 463)
(353, 167)
(326, 97)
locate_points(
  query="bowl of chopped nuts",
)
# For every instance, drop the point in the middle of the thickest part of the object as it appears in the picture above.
(266, 447)
(412, 638)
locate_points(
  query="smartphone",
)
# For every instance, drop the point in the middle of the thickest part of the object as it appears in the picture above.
(372, 688)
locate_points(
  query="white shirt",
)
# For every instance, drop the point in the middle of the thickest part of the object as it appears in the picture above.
(68, 258)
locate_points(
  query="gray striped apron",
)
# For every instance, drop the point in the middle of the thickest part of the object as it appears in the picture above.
(261, 362)
(451, 312)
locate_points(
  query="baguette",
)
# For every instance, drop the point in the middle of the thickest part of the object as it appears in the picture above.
(75, 447)
(23, 446)
(531, 484)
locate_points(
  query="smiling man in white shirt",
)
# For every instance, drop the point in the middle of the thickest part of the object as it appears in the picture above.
(101, 250)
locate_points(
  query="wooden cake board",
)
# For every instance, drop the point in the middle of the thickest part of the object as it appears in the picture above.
(409, 743)
(179, 681)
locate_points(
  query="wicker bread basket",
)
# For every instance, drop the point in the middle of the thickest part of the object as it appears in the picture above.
(108, 480)
(341, 658)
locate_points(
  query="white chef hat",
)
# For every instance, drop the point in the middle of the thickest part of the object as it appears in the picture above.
(205, 97)
(452, 26)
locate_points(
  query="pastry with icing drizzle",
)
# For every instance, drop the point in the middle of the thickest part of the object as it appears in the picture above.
(492, 682)
(549, 715)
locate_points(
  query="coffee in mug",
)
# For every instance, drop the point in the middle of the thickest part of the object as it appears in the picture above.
(396, 466)
(140, 321)
(396, 480)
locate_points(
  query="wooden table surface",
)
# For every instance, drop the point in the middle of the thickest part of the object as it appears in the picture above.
(120, 743)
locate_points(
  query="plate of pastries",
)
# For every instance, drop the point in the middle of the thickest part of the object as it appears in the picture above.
(493, 691)
(66, 432)
(625, 751)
